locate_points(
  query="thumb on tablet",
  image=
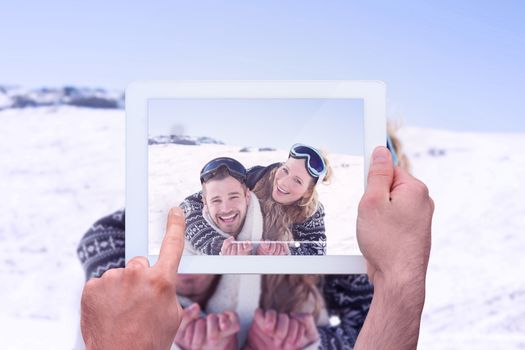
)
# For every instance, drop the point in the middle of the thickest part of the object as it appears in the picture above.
(380, 175)
(173, 243)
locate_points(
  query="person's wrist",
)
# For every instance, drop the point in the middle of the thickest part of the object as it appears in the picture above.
(406, 288)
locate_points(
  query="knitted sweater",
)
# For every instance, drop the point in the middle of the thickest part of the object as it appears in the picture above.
(205, 239)
(347, 297)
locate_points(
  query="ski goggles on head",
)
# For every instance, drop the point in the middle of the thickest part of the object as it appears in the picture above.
(315, 164)
(234, 168)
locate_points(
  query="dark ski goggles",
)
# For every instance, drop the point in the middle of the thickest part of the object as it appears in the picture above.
(315, 164)
(234, 168)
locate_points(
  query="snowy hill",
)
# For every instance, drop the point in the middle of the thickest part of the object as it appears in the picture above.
(62, 167)
(16, 97)
(182, 140)
(476, 286)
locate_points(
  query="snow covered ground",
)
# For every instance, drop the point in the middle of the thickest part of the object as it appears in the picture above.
(476, 284)
(61, 168)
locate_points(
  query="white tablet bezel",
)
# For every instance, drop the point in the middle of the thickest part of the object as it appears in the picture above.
(373, 94)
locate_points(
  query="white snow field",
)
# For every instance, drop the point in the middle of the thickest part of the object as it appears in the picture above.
(61, 168)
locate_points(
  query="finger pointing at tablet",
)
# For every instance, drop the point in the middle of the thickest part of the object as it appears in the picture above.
(172, 244)
(136, 300)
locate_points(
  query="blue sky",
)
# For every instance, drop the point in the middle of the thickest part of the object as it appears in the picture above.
(334, 125)
(447, 64)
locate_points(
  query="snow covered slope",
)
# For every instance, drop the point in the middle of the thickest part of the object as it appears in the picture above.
(476, 284)
(62, 167)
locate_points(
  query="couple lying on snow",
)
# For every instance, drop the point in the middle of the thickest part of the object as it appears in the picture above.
(276, 203)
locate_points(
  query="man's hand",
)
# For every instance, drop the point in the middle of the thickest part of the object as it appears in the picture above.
(273, 248)
(213, 332)
(394, 234)
(394, 222)
(136, 307)
(279, 331)
(232, 247)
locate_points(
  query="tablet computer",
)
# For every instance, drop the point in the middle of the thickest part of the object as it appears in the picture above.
(175, 128)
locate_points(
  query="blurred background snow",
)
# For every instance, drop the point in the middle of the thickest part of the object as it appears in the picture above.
(65, 169)
(61, 168)
(455, 80)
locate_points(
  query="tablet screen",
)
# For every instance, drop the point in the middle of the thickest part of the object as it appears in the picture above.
(186, 133)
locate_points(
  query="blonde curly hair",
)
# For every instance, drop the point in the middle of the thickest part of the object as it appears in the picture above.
(278, 218)
(289, 293)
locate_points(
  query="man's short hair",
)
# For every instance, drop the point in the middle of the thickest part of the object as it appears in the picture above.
(221, 174)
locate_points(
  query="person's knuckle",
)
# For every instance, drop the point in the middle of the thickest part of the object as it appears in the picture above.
(173, 240)
(421, 189)
(379, 172)
(134, 259)
(132, 272)
(176, 314)
(213, 335)
(89, 290)
(233, 316)
(91, 284)
(368, 203)
(236, 326)
(112, 274)
(162, 284)
(141, 260)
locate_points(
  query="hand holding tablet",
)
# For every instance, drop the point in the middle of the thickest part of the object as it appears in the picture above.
(395, 208)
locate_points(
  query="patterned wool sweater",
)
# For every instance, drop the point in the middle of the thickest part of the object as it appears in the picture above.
(205, 239)
(347, 297)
